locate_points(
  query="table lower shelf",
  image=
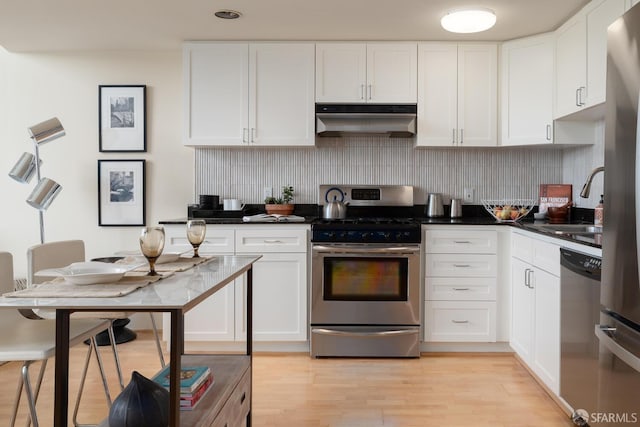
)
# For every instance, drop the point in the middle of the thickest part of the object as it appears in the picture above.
(232, 385)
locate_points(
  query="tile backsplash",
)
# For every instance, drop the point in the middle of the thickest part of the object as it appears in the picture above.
(243, 172)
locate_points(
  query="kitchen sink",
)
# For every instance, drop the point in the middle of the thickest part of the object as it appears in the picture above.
(570, 228)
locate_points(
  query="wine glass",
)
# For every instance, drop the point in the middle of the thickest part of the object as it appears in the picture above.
(152, 244)
(196, 230)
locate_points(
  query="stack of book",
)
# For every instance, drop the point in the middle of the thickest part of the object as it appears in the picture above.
(195, 381)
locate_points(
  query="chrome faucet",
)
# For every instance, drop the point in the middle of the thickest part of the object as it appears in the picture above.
(587, 185)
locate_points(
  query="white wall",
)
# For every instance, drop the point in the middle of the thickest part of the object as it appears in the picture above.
(36, 87)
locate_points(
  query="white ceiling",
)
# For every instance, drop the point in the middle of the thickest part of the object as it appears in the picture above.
(50, 25)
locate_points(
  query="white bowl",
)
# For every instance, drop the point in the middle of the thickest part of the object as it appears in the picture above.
(90, 272)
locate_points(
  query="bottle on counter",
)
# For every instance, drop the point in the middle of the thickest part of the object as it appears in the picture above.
(598, 212)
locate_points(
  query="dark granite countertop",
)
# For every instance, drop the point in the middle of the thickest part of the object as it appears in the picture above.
(472, 215)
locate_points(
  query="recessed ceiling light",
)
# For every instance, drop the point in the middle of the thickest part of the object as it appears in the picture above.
(228, 14)
(468, 20)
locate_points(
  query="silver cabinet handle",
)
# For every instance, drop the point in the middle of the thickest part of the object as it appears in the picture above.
(253, 135)
(527, 281)
(579, 94)
(370, 91)
(459, 321)
(548, 132)
(461, 136)
(461, 289)
(462, 241)
(453, 137)
(272, 241)
(461, 265)
(362, 93)
(245, 131)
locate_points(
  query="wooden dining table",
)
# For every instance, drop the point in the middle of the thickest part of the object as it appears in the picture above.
(175, 294)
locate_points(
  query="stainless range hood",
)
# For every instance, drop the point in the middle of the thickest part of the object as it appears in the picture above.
(393, 120)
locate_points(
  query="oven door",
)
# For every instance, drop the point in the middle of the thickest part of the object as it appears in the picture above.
(365, 284)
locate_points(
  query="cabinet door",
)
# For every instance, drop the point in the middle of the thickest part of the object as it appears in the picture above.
(215, 82)
(392, 72)
(214, 318)
(437, 94)
(279, 298)
(282, 87)
(341, 72)
(598, 19)
(522, 305)
(527, 102)
(477, 95)
(546, 342)
(571, 63)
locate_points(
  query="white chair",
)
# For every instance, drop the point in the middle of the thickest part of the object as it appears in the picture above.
(30, 341)
(60, 254)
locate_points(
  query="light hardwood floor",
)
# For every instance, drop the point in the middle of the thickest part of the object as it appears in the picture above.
(295, 390)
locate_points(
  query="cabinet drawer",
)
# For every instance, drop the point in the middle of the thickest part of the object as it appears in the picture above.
(521, 247)
(461, 241)
(217, 241)
(235, 410)
(470, 321)
(271, 240)
(461, 288)
(461, 265)
(546, 256)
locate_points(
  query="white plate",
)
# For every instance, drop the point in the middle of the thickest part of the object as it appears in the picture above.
(90, 273)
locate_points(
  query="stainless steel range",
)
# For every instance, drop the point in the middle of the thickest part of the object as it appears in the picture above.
(365, 284)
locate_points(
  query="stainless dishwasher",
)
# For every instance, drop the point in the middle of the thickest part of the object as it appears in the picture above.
(579, 347)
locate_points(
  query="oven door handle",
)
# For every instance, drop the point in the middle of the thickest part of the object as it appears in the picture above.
(347, 250)
(322, 331)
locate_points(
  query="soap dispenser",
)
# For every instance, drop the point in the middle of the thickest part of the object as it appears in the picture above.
(598, 212)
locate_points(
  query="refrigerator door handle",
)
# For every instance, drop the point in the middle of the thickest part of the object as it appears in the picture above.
(604, 333)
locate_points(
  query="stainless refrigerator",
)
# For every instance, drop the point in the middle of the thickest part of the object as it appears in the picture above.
(619, 330)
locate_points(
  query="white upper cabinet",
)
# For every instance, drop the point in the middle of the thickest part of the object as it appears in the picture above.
(361, 73)
(527, 91)
(216, 87)
(581, 53)
(249, 94)
(457, 94)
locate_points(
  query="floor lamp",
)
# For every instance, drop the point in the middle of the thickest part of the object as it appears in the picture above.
(46, 189)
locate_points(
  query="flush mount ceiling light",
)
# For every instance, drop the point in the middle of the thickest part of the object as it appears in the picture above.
(228, 14)
(468, 20)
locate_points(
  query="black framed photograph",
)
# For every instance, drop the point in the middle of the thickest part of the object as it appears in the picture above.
(121, 192)
(122, 118)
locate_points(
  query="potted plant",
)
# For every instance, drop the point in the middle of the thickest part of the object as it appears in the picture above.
(280, 205)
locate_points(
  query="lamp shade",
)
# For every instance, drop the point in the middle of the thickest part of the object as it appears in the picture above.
(43, 194)
(46, 131)
(24, 168)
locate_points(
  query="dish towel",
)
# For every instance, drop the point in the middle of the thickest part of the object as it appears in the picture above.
(273, 218)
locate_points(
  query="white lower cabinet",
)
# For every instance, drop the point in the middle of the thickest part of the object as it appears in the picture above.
(461, 268)
(535, 322)
(279, 284)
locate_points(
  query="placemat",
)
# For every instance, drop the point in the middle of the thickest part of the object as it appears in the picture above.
(60, 288)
